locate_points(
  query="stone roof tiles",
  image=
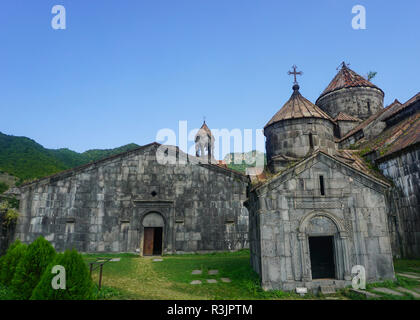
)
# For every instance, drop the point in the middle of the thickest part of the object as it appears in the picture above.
(189, 158)
(396, 138)
(401, 107)
(346, 117)
(364, 124)
(205, 128)
(346, 157)
(347, 78)
(298, 107)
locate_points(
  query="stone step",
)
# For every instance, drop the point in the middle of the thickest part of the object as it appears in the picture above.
(327, 289)
(196, 272)
(366, 293)
(388, 291)
(413, 293)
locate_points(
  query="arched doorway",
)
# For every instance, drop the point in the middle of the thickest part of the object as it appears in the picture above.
(323, 247)
(322, 233)
(153, 225)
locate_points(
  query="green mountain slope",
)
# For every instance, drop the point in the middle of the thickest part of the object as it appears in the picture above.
(26, 159)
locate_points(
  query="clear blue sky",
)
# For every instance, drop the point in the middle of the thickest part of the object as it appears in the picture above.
(122, 70)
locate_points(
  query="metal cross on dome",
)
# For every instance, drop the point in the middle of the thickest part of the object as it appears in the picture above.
(343, 65)
(295, 73)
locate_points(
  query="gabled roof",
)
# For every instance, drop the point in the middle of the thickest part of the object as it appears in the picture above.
(396, 138)
(402, 107)
(64, 174)
(346, 117)
(298, 107)
(347, 158)
(347, 78)
(204, 128)
(383, 113)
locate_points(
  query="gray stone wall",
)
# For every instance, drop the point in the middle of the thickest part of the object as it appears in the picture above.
(345, 126)
(101, 207)
(359, 102)
(290, 209)
(290, 138)
(404, 201)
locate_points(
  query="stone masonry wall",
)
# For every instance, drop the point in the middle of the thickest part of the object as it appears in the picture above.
(404, 200)
(358, 102)
(100, 208)
(291, 137)
(346, 126)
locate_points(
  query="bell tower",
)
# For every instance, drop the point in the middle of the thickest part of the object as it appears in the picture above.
(204, 144)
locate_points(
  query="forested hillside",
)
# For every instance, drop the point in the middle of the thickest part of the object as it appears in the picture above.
(26, 159)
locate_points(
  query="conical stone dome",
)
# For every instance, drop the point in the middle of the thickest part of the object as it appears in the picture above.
(298, 107)
(352, 94)
(297, 130)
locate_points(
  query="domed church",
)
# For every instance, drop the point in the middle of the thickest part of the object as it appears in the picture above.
(318, 211)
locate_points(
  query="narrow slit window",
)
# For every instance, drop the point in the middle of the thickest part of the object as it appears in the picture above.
(322, 185)
(69, 227)
(311, 141)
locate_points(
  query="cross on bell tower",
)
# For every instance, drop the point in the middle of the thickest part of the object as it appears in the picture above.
(295, 73)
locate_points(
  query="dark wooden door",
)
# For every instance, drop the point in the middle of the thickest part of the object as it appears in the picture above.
(149, 234)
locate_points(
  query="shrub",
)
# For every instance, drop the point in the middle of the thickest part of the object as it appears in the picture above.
(10, 214)
(10, 261)
(3, 187)
(79, 285)
(37, 257)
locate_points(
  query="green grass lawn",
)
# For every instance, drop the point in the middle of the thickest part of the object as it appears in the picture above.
(135, 277)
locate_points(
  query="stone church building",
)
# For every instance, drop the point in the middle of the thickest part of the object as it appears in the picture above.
(317, 210)
(131, 202)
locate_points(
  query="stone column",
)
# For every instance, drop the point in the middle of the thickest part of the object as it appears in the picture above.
(303, 253)
(345, 254)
